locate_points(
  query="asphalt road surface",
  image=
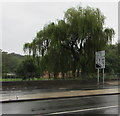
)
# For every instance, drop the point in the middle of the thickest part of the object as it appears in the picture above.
(34, 91)
(107, 104)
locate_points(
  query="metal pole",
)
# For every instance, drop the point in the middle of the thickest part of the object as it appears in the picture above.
(98, 75)
(103, 75)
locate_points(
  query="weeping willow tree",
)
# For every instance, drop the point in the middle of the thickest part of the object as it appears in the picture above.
(87, 35)
(71, 43)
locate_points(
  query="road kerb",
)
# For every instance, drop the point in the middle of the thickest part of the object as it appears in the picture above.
(61, 95)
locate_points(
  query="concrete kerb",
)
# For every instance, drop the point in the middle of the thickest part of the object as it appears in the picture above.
(50, 98)
(58, 97)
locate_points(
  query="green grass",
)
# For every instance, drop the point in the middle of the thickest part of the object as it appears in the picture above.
(35, 79)
(20, 79)
(14, 79)
(72, 78)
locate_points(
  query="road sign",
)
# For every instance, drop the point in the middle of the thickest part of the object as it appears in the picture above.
(100, 59)
(100, 63)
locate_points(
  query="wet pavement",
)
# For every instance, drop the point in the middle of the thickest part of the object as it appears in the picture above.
(13, 92)
(107, 104)
(67, 101)
(54, 95)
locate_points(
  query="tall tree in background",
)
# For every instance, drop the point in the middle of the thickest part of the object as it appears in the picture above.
(86, 36)
(71, 43)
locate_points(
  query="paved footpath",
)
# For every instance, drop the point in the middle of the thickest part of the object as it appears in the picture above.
(57, 95)
(64, 94)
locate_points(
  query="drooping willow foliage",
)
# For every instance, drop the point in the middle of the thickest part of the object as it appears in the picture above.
(68, 46)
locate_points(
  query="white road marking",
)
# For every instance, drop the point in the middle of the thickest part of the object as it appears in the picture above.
(90, 109)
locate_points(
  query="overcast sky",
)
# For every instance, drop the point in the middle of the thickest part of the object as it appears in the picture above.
(22, 20)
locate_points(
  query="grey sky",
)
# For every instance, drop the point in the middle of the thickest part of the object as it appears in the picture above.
(21, 21)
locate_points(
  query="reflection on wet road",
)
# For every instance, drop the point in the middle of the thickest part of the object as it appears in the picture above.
(34, 91)
(105, 104)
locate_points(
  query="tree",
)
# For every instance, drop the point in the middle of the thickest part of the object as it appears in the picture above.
(112, 59)
(27, 69)
(86, 36)
(72, 41)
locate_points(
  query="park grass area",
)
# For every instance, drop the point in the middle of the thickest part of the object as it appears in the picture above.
(20, 79)
(93, 77)
(35, 79)
(14, 79)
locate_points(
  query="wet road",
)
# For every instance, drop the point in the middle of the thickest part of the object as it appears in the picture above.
(82, 105)
(34, 91)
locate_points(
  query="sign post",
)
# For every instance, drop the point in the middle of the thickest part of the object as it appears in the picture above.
(100, 62)
(103, 75)
(98, 75)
